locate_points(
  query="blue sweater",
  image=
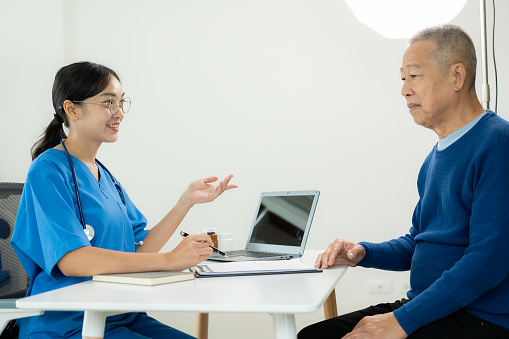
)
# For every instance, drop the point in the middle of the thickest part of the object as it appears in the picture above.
(457, 249)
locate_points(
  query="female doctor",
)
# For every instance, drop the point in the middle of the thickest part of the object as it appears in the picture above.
(75, 220)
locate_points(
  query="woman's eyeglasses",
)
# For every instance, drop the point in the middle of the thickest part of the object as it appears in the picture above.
(114, 104)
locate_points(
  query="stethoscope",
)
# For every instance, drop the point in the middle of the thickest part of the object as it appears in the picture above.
(89, 230)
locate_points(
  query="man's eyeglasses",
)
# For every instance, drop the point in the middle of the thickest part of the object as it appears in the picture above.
(114, 104)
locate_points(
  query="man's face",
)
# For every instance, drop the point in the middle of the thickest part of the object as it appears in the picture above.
(425, 88)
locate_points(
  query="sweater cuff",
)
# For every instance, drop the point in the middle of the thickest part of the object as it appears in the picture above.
(365, 262)
(404, 319)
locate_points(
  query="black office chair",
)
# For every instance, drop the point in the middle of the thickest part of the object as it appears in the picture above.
(13, 278)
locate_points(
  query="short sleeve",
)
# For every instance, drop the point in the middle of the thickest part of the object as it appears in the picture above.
(47, 226)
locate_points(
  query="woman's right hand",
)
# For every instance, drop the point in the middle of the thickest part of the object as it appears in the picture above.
(340, 252)
(191, 251)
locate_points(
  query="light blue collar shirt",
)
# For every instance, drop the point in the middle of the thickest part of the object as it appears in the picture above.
(452, 138)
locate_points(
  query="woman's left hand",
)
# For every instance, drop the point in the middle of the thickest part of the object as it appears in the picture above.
(201, 190)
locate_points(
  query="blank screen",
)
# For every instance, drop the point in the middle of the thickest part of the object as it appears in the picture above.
(282, 220)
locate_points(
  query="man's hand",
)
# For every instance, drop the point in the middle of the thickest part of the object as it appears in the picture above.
(340, 252)
(382, 326)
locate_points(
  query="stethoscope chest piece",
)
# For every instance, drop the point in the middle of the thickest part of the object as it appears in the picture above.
(89, 231)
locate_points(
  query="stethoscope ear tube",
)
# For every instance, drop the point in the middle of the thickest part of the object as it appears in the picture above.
(82, 219)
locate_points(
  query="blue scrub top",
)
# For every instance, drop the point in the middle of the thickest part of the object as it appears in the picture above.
(48, 226)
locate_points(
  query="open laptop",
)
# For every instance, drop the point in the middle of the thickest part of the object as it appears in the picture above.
(280, 227)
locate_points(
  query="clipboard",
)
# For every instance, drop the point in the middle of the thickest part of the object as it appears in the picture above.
(229, 269)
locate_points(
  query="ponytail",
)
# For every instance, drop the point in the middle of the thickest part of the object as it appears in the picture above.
(51, 136)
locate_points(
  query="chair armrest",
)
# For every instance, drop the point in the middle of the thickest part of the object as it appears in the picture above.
(8, 314)
(8, 303)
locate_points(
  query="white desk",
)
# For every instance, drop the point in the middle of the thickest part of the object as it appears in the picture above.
(282, 296)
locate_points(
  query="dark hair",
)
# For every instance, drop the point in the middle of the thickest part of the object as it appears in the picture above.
(452, 45)
(74, 82)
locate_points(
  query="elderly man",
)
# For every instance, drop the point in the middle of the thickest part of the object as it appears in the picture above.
(457, 249)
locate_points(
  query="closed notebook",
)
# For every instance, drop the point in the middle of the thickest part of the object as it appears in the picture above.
(145, 278)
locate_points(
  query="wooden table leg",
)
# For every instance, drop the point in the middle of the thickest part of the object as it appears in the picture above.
(330, 309)
(202, 325)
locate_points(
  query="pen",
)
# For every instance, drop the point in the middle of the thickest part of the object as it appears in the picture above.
(215, 250)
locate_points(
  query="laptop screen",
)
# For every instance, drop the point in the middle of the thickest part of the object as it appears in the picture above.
(283, 218)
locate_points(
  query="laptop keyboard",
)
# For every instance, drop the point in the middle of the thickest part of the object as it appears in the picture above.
(253, 254)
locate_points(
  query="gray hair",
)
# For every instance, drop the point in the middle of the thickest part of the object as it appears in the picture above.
(452, 45)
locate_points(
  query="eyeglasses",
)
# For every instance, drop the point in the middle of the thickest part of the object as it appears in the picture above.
(114, 104)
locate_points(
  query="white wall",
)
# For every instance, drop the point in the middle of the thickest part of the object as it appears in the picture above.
(286, 95)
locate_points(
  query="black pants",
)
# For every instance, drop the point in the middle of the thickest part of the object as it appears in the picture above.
(458, 325)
